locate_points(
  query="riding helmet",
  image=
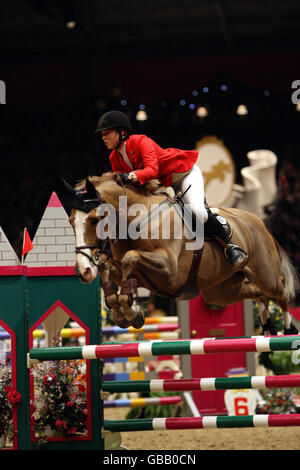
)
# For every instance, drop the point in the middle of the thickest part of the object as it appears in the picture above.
(114, 120)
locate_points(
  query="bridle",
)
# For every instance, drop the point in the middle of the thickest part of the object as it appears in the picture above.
(95, 259)
(100, 249)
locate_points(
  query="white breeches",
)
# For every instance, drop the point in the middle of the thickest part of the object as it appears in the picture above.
(195, 194)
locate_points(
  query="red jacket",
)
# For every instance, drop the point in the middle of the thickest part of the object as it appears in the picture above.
(149, 161)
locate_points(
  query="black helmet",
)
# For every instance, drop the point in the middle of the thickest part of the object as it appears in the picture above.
(114, 120)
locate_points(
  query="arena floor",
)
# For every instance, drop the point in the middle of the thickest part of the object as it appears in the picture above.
(209, 439)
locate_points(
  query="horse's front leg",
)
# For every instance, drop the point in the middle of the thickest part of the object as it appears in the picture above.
(110, 293)
(155, 265)
(127, 296)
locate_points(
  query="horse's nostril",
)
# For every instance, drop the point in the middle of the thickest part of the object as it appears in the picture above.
(87, 273)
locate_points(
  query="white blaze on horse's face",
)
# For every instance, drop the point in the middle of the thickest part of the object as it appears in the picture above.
(84, 266)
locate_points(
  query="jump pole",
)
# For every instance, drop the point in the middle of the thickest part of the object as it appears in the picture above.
(116, 330)
(142, 402)
(154, 320)
(165, 335)
(203, 384)
(205, 422)
(159, 348)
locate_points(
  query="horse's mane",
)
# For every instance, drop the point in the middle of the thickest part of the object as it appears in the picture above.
(113, 177)
(108, 176)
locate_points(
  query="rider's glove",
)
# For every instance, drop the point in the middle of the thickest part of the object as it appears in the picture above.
(127, 178)
(124, 178)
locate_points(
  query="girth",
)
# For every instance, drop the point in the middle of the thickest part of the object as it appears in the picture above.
(190, 285)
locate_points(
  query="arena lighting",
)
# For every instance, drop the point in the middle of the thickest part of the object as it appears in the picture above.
(71, 24)
(242, 110)
(141, 115)
(298, 106)
(202, 111)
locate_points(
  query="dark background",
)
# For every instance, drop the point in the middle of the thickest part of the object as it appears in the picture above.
(59, 80)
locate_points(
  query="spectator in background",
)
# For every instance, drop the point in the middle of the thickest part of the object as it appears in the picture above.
(154, 311)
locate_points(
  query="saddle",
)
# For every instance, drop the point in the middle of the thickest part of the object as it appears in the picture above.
(191, 225)
(189, 289)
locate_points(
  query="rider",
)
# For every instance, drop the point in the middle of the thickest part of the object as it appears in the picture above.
(140, 159)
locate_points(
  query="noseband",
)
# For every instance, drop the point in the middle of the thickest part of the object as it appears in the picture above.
(96, 257)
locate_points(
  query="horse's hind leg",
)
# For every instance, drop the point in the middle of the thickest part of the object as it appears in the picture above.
(272, 286)
(267, 324)
(289, 327)
(268, 328)
(233, 290)
(236, 289)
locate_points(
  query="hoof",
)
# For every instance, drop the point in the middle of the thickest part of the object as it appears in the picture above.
(138, 321)
(292, 330)
(268, 328)
(124, 323)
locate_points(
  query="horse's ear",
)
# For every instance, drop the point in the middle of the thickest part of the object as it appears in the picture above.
(68, 187)
(91, 190)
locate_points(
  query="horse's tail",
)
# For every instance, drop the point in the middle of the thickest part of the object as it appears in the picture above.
(289, 273)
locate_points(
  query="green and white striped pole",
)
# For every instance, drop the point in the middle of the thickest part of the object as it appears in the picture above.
(160, 348)
(203, 384)
(205, 422)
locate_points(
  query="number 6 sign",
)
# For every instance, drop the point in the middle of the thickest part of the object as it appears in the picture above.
(240, 402)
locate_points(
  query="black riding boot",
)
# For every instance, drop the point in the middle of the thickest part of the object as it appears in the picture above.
(235, 255)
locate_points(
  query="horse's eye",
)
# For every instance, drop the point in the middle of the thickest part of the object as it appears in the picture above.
(94, 220)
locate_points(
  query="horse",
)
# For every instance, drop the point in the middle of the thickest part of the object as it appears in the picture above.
(165, 265)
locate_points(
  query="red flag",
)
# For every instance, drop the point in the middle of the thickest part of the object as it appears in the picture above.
(27, 245)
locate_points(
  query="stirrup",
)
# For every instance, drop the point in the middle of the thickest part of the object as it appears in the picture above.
(240, 259)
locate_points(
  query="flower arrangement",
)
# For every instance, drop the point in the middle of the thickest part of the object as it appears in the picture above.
(5, 406)
(60, 400)
(8, 397)
(279, 401)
